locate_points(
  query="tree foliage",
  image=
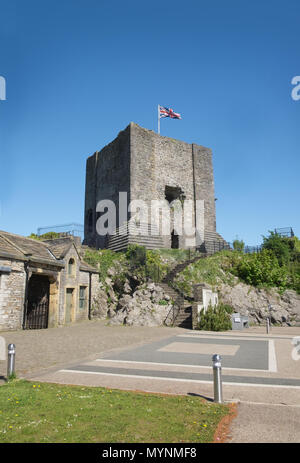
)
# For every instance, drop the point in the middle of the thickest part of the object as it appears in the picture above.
(238, 245)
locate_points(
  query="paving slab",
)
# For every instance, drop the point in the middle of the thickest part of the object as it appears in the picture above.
(261, 423)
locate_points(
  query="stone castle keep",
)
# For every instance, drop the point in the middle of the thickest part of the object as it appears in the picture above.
(148, 166)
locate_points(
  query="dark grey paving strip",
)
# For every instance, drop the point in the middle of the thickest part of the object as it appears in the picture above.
(250, 336)
(187, 376)
(243, 338)
(250, 355)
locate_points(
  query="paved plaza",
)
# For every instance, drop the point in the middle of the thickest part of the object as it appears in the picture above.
(255, 366)
(259, 371)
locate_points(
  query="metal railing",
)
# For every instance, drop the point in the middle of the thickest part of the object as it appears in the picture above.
(285, 232)
(174, 311)
(212, 247)
(37, 316)
(252, 249)
(74, 229)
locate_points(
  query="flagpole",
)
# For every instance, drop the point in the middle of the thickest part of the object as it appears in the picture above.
(158, 120)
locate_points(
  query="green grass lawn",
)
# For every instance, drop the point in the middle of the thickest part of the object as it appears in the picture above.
(42, 412)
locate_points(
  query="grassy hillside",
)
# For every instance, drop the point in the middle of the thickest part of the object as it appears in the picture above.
(277, 265)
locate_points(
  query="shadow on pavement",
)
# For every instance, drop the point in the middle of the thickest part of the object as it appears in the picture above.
(192, 394)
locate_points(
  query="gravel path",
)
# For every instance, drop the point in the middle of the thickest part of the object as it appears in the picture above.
(42, 349)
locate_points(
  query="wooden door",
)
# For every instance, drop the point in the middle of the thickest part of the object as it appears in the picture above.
(69, 305)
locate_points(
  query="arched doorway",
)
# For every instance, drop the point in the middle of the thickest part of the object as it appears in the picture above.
(37, 310)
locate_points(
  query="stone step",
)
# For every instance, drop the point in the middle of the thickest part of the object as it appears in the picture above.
(183, 317)
(178, 268)
(180, 321)
(184, 325)
(169, 290)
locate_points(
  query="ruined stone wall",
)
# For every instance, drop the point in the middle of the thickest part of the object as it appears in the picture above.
(204, 184)
(159, 161)
(143, 163)
(107, 173)
(12, 288)
(90, 198)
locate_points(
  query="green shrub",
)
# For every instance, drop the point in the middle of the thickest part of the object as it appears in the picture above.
(163, 302)
(215, 318)
(136, 255)
(262, 269)
(227, 308)
(156, 269)
(46, 236)
(103, 260)
(279, 246)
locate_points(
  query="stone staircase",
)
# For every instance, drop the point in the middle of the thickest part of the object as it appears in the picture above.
(182, 312)
(213, 242)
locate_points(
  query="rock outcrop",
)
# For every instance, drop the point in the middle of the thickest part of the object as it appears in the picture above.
(147, 306)
(133, 302)
(257, 304)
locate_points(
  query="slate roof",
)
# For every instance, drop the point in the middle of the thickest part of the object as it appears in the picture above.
(50, 251)
(24, 248)
(59, 247)
(7, 248)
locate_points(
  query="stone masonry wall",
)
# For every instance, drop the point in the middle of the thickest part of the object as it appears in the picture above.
(74, 281)
(204, 184)
(107, 174)
(12, 287)
(143, 163)
(159, 161)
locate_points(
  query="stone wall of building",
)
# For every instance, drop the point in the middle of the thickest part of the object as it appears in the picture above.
(73, 281)
(14, 274)
(79, 278)
(12, 288)
(53, 273)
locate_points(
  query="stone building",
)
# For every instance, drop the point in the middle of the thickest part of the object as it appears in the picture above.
(147, 166)
(43, 283)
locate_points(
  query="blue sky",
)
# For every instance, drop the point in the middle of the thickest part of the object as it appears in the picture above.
(78, 72)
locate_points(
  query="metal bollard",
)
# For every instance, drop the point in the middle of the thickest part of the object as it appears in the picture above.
(11, 360)
(217, 370)
(268, 325)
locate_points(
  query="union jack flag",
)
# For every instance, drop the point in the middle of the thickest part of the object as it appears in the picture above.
(168, 112)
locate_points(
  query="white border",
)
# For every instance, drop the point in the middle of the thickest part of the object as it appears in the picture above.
(278, 386)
